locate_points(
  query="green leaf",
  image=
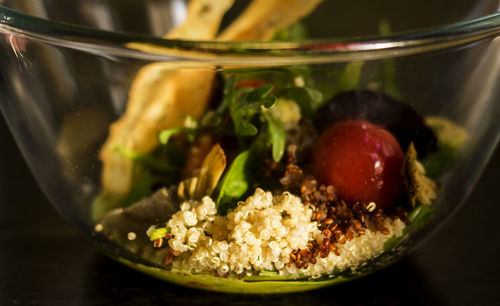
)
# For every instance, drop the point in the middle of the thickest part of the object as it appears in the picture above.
(236, 181)
(164, 136)
(450, 138)
(418, 217)
(350, 77)
(141, 187)
(277, 135)
(144, 158)
(245, 103)
(104, 202)
(335, 81)
(295, 32)
(385, 78)
(269, 273)
(436, 163)
(308, 99)
(259, 93)
(243, 127)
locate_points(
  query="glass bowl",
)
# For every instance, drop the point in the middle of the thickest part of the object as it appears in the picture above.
(68, 71)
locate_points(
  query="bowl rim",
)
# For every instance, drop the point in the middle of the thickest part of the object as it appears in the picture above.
(109, 43)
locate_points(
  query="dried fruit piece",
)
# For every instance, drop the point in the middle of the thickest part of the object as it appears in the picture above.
(205, 179)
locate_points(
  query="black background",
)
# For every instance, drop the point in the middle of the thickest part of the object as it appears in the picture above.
(43, 261)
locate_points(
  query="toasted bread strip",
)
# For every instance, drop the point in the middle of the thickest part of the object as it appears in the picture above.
(161, 94)
(262, 18)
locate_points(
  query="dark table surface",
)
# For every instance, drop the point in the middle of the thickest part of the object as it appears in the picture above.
(45, 261)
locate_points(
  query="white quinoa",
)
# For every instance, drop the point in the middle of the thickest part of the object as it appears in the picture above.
(259, 235)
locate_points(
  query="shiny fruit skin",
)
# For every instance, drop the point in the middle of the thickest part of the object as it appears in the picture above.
(362, 161)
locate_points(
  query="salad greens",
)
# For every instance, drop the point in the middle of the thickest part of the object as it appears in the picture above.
(165, 135)
(387, 75)
(418, 217)
(277, 135)
(245, 103)
(451, 138)
(236, 181)
(296, 32)
(248, 117)
(146, 159)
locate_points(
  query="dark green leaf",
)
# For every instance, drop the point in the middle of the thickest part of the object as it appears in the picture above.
(436, 163)
(238, 178)
(418, 217)
(141, 187)
(229, 90)
(259, 93)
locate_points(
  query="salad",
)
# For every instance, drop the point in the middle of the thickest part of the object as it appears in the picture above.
(283, 173)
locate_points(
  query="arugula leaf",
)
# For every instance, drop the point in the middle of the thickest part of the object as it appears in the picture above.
(245, 103)
(258, 94)
(277, 135)
(236, 181)
(279, 77)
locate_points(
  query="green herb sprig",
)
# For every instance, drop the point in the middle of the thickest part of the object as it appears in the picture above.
(245, 103)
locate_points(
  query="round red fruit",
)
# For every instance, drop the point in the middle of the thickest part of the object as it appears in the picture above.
(361, 160)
